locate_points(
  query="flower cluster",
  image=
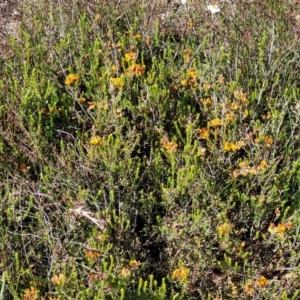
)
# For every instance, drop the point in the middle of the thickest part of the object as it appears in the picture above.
(101, 106)
(249, 289)
(229, 146)
(96, 140)
(92, 254)
(224, 228)
(181, 273)
(48, 111)
(23, 167)
(262, 282)
(213, 9)
(58, 279)
(241, 96)
(204, 133)
(267, 140)
(31, 294)
(192, 80)
(117, 82)
(170, 147)
(215, 123)
(207, 103)
(244, 169)
(237, 107)
(130, 56)
(71, 79)
(125, 272)
(280, 229)
(135, 70)
(134, 263)
(188, 55)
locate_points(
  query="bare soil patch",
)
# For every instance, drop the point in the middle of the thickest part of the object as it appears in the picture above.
(9, 19)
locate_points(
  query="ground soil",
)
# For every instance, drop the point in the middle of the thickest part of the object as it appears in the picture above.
(9, 18)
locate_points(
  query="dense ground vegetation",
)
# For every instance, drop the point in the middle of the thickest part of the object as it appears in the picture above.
(151, 151)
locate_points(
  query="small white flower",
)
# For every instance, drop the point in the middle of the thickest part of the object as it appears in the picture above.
(213, 8)
(183, 2)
